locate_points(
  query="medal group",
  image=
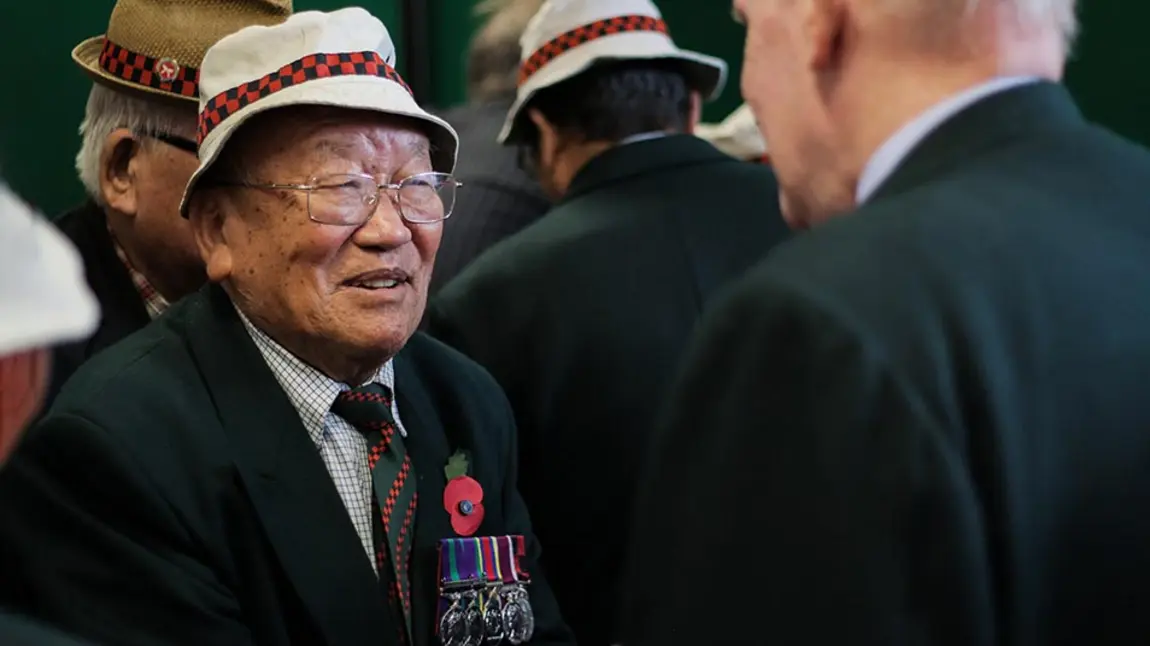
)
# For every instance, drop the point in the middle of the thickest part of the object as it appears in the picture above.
(482, 592)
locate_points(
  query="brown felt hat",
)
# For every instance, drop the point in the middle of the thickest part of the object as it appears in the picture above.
(156, 46)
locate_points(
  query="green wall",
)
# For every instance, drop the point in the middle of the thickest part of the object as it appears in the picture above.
(44, 102)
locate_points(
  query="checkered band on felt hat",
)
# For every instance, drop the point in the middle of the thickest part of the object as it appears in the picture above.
(567, 37)
(342, 59)
(156, 47)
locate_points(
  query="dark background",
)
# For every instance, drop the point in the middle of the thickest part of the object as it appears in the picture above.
(44, 92)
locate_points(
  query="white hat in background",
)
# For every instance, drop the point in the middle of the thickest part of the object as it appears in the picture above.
(738, 135)
(343, 59)
(568, 37)
(44, 299)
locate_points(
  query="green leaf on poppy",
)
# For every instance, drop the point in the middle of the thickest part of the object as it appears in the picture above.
(456, 466)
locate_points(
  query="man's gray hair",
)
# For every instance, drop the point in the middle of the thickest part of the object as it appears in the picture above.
(1061, 13)
(493, 62)
(108, 110)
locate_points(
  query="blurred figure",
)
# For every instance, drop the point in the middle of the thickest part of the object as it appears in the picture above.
(738, 135)
(582, 317)
(43, 301)
(498, 197)
(923, 421)
(138, 150)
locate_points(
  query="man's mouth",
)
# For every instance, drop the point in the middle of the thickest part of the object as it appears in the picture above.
(381, 279)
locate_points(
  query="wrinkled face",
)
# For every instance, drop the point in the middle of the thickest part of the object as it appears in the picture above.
(144, 180)
(23, 378)
(332, 294)
(788, 51)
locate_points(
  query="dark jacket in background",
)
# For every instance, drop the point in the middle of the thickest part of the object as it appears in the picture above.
(172, 496)
(926, 422)
(582, 318)
(122, 311)
(17, 631)
(497, 198)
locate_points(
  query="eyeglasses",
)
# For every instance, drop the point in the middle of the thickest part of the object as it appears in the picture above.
(351, 200)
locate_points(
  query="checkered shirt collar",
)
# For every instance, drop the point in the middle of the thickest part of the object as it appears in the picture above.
(154, 301)
(310, 391)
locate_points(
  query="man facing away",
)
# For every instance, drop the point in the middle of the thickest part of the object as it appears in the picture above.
(582, 317)
(281, 459)
(925, 420)
(45, 301)
(500, 198)
(137, 153)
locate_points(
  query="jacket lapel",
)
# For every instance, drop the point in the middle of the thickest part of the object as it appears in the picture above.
(290, 487)
(428, 446)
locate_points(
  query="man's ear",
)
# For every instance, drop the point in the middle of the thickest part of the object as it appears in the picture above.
(824, 31)
(696, 114)
(548, 136)
(208, 216)
(119, 169)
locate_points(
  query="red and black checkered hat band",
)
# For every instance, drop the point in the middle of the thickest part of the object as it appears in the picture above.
(308, 68)
(158, 73)
(586, 33)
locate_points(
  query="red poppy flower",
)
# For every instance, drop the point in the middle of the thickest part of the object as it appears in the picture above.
(463, 499)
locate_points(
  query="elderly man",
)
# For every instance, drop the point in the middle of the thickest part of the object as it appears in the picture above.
(583, 316)
(45, 302)
(501, 199)
(924, 422)
(278, 460)
(137, 153)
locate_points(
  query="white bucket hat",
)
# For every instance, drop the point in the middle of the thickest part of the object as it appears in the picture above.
(45, 298)
(738, 135)
(344, 59)
(567, 37)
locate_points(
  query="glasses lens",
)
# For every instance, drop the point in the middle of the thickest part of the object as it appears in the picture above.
(427, 197)
(342, 199)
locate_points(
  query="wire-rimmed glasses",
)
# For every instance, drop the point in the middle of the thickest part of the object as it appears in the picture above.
(351, 199)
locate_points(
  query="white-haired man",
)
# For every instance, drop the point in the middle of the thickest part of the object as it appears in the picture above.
(137, 153)
(924, 421)
(281, 459)
(45, 302)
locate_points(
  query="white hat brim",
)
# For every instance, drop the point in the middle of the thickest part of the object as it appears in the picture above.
(369, 93)
(707, 74)
(47, 300)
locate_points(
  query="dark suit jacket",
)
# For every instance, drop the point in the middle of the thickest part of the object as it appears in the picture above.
(926, 422)
(17, 631)
(172, 496)
(497, 198)
(122, 311)
(582, 318)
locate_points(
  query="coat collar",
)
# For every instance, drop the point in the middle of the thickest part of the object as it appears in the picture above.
(990, 123)
(639, 158)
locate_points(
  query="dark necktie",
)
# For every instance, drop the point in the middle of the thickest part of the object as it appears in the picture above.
(368, 408)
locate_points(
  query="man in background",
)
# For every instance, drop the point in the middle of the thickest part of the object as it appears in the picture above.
(45, 301)
(498, 198)
(582, 317)
(925, 420)
(138, 151)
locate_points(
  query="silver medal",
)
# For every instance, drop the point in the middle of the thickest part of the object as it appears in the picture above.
(518, 618)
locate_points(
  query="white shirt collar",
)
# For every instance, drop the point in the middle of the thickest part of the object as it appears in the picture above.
(888, 156)
(310, 391)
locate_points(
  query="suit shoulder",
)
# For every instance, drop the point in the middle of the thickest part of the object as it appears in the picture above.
(447, 368)
(139, 368)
